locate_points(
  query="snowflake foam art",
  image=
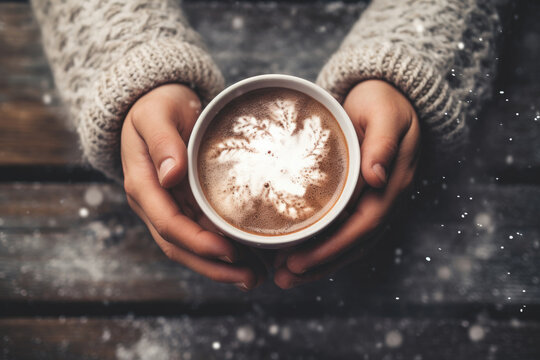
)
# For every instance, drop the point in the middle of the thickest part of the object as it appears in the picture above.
(273, 161)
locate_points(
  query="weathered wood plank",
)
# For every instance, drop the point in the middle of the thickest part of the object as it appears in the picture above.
(252, 38)
(28, 141)
(81, 243)
(509, 128)
(260, 337)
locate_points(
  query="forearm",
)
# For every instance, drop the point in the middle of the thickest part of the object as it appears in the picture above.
(106, 54)
(440, 54)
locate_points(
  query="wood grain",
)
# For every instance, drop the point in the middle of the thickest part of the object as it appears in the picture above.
(259, 337)
(457, 277)
(482, 247)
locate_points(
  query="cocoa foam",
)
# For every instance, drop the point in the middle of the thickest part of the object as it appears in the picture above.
(273, 161)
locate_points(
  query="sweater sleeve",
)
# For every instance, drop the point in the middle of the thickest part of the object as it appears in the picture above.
(440, 54)
(105, 54)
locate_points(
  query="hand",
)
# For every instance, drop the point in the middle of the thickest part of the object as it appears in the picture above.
(154, 159)
(389, 134)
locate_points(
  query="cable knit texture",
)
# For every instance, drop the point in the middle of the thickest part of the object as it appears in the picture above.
(440, 54)
(106, 54)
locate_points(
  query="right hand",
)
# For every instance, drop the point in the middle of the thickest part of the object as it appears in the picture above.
(154, 159)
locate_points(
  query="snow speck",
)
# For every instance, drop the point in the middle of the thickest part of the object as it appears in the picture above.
(418, 26)
(93, 196)
(245, 334)
(144, 348)
(334, 6)
(509, 160)
(476, 333)
(216, 345)
(393, 339)
(273, 329)
(483, 220)
(461, 45)
(106, 336)
(463, 264)
(321, 29)
(237, 23)
(484, 251)
(438, 296)
(444, 273)
(83, 212)
(46, 98)
(428, 259)
(286, 333)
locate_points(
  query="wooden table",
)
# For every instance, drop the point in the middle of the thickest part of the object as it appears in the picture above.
(457, 278)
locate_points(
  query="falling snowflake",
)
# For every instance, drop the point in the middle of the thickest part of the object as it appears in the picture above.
(273, 160)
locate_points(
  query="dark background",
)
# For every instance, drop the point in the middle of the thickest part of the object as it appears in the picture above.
(458, 277)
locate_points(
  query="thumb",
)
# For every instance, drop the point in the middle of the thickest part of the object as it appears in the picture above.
(378, 150)
(165, 147)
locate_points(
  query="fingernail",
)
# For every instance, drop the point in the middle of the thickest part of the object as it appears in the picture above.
(226, 259)
(379, 170)
(241, 286)
(165, 167)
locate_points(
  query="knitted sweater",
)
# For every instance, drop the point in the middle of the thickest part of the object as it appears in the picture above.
(439, 53)
(106, 54)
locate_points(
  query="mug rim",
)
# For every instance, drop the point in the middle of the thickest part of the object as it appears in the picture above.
(267, 81)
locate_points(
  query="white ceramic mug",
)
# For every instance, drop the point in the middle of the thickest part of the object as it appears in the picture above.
(273, 81)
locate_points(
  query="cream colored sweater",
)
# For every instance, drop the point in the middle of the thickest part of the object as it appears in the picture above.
(106, 54)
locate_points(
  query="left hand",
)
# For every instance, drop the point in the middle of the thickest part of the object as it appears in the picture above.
(389, 133)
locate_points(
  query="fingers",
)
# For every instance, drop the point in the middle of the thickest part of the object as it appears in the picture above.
(379, 149)
(154, 158)
(371, 211)
(177, 228)
(286, 279)
(167, 150)
(155, 203)
(164, 119)
(382, 116)
(245, 276)
(367, 217)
